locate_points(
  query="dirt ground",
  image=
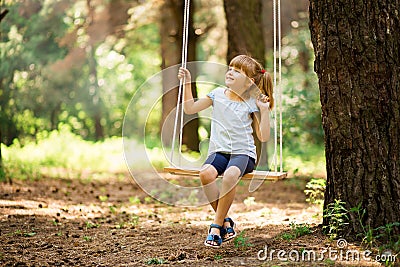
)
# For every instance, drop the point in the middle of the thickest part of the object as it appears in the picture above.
(112, 222)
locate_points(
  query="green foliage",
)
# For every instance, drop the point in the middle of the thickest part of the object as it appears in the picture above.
(217, 257)
(47, 76)
(300, 229)
(337, 217)
(241, 241)
(25, 233)
(315, 190)
(28, 45)
(2, 172)
(103, 198)
(61, 153)
(134, 200)
(296, 231)
(382, 236)
(90, 225)
(302, 109)
(155, 261)
(87, 238)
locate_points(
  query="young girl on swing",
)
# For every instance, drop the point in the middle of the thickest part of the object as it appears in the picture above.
(247, 97)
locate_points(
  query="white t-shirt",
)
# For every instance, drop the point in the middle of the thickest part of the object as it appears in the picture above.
(231, 130)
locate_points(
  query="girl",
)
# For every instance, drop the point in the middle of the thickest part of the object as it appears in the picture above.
(247, 97)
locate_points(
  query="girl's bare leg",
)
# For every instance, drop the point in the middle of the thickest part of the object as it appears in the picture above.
(208, 176)
(228, 191)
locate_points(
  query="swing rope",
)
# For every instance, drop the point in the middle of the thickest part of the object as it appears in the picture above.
(277, 84)
(179, 108)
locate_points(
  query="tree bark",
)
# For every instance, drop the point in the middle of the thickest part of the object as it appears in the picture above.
(356, 45)
(244, 26)
(171, 44)
(245, 36)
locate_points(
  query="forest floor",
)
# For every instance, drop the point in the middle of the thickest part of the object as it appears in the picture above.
(81, 222)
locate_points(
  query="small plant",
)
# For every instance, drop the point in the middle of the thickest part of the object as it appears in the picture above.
(87, 238)
(134, 220)
(287, 236)
(383, 234)
(337, 216)
(300, 229)
(30, 234)
(134, 200)
(296, 231)
(90, 225)
(148, 200)
(329, 262)
(387, 232)
(103, 198)
(369, 239)
(241, 241)
(315, 190)
(155, 261)
(17, 232)
(113, 209)
(217, 257)
(27, 234)
(120, 225)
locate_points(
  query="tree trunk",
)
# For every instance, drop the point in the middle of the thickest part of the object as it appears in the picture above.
(245, 36)
(171, 44)
(356, 45)
(244, 26)
(3, 14)
(94, 90)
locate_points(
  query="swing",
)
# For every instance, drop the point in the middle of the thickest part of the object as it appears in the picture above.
(258, 175)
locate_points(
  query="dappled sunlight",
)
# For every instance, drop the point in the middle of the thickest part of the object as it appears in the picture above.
(79, 218)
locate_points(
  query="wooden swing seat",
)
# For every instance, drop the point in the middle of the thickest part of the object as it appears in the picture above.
(259, 175)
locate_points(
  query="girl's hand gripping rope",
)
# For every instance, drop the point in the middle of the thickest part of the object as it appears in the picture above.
(184, 74)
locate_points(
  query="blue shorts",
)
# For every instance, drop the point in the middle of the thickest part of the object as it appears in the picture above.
(222, 161)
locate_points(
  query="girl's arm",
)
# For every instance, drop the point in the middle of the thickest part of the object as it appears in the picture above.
(190, 106)
(261, 120)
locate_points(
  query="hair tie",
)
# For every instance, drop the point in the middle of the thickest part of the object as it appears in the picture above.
(263, 71)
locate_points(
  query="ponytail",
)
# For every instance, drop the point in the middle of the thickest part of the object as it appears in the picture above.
(266, 87)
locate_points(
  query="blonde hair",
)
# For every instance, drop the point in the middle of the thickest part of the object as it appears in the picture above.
(254, 70)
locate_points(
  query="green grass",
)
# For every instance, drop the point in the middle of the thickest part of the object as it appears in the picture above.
(296, 231)
(66, 155)
(63, 154)
(241, 241)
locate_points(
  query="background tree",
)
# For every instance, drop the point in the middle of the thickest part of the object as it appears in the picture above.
(171, 47)
(245, 36)
(356, 45)
(3, 14)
